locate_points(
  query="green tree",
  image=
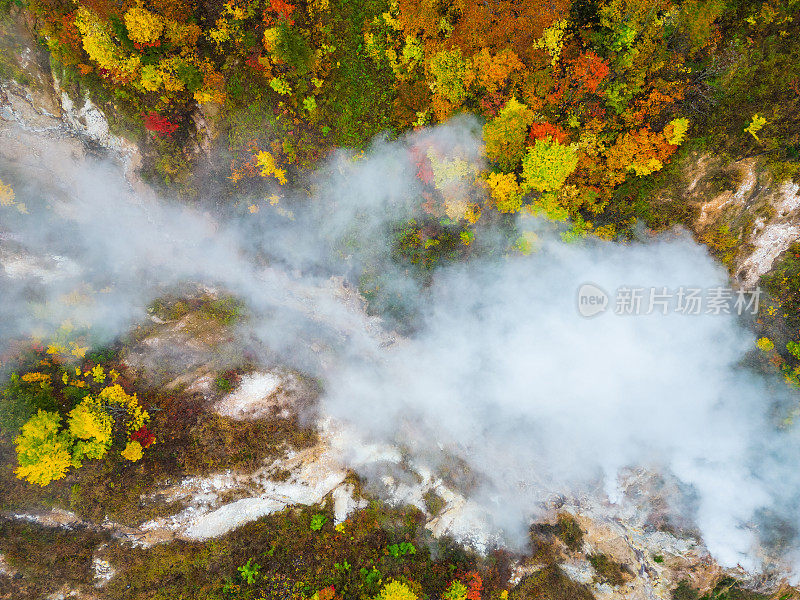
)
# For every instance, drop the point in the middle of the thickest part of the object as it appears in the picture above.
(20, 399)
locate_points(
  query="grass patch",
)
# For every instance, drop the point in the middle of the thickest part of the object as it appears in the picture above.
(358, 104)
(550, 584)
(569, 531)
(726, 588)
(287, 554)
(783, 285)
(47, 558)
(610, 571)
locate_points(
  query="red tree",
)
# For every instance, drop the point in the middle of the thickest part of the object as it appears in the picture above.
(590, 70)
(144, 436)
(160, 125)
(474, 585)
(539, 131)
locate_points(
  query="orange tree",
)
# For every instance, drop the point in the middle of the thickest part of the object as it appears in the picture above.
(601, 80)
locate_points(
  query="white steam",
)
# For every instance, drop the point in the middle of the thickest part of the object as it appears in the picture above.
(501, 372)
(540, 401)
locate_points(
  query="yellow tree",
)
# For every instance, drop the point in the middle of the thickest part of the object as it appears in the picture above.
(547, 165)
(43, 452)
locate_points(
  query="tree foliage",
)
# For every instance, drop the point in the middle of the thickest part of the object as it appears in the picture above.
(505, 191)
(22, 397)
(611, 80)
(505, 135)
(547, 165)
(43, 452)
(396, 590)
(90, 426)
(46, 451)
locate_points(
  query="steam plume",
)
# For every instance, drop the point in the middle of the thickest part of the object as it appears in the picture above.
(501, 371)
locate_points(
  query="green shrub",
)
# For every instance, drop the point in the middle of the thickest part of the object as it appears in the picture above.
(317, 521)
(402, 549)
(19, 400)
(190, 75)
(250, 571)
(293, 49)
(223, 384)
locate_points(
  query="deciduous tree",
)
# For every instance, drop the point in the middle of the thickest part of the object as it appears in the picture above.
(505, 135)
